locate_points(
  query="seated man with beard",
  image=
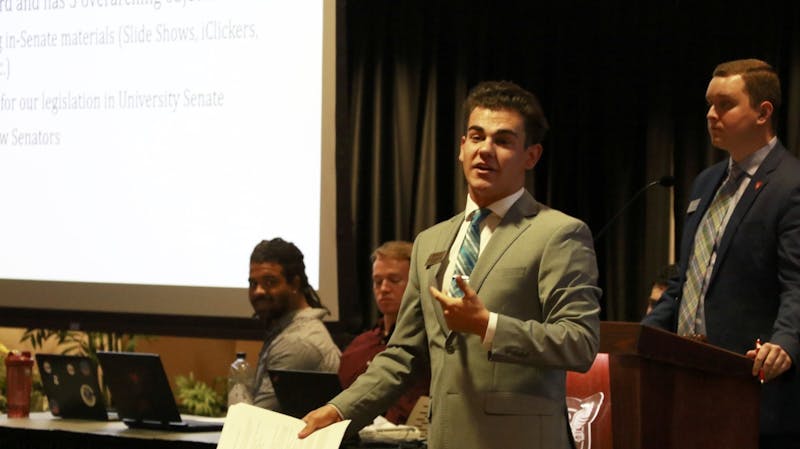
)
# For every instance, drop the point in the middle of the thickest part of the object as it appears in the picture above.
(296, 338)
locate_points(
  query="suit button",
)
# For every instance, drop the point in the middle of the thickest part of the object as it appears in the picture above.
(450, 349)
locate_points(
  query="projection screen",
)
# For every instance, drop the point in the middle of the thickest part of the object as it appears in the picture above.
(147, 145)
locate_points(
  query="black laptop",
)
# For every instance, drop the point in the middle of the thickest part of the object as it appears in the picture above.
(141, 393)
(300, 392)
(70, 383)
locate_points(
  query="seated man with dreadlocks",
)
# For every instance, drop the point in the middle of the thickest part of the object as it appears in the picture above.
(296, 338)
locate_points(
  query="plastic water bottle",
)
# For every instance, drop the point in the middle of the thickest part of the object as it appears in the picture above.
(240, 381)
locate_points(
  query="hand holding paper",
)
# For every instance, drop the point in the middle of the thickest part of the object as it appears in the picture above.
(249, 427)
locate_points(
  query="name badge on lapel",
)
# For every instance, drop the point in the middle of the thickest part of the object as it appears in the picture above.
(693, 206)
(435, 258)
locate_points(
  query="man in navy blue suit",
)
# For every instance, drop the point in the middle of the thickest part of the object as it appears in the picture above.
(738, 280)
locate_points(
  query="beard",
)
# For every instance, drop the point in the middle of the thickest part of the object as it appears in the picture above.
(269, 308)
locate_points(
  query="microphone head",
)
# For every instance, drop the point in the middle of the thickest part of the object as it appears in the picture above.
(667, 181)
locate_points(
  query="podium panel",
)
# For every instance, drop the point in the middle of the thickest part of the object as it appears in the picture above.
(652, 389)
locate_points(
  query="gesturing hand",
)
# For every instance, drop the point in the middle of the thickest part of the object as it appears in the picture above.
(467, 314)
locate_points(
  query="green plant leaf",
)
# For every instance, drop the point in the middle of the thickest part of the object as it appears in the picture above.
(197, 398)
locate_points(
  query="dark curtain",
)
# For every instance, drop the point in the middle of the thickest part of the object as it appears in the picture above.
(622, 83)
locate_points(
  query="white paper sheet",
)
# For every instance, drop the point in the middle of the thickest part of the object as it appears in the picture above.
(249, 427)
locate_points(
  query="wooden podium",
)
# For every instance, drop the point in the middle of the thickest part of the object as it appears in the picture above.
(665, 391)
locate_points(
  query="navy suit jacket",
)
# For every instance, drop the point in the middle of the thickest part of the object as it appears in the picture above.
(754, 289)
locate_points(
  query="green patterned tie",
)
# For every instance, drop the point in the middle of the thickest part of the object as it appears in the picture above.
(470, 247)
(705, 242)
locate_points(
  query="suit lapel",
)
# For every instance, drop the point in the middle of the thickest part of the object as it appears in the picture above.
(694, 218)
(507, 231)
(754, 188)
(435, 268)
(513, 224)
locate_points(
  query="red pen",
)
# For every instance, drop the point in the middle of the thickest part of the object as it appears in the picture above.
(761, 370)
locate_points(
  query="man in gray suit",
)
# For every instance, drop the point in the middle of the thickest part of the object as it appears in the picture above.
(501, 299)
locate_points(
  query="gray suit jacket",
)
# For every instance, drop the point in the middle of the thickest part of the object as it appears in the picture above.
(539, 273)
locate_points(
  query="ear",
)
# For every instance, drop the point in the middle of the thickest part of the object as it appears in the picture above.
(533, 154)
(461, 149)
(765, 110)
(296, 283)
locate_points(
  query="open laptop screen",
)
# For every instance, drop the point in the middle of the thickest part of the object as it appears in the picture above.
(141, 393)
(70, 383)
(300, 392)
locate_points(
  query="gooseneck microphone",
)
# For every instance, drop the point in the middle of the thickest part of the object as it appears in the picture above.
(665, 181)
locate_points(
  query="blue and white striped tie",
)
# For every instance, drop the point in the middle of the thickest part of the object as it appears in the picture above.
(470, 247)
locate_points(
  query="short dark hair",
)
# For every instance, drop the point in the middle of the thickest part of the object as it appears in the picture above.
(290, 258)
(761, 82)
(497, 95)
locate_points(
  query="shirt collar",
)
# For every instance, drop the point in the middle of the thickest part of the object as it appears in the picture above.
(275, 327)
(751, 163)
(499, 207)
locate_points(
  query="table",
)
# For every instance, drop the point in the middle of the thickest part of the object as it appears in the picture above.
(43, 431)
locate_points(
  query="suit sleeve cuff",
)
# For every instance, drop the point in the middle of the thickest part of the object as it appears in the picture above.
(341, 416)
(491, 328)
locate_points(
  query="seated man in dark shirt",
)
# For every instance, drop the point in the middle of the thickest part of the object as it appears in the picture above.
(390, 264)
